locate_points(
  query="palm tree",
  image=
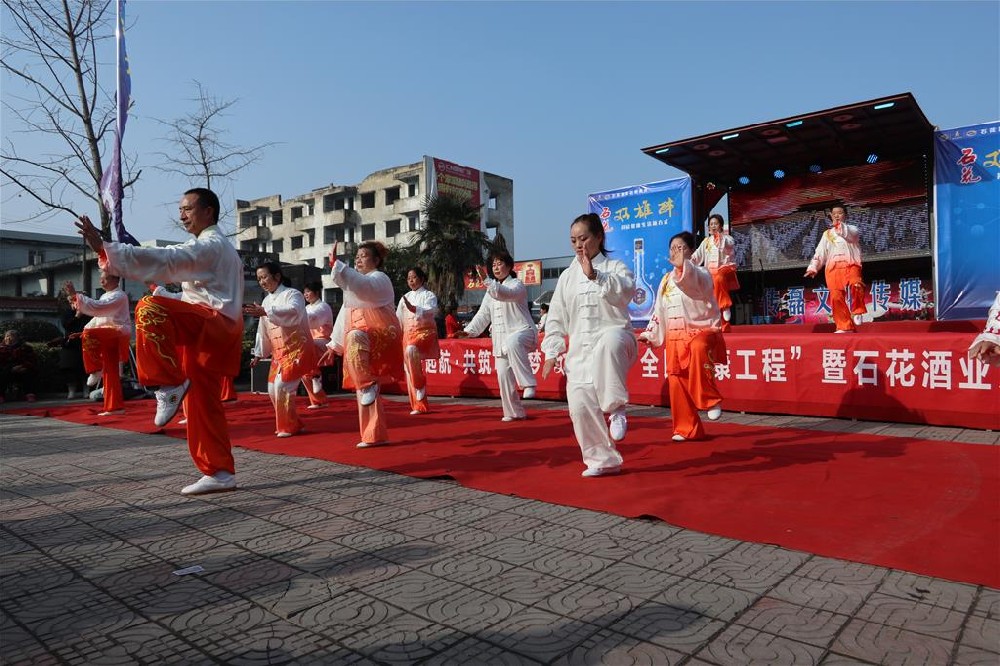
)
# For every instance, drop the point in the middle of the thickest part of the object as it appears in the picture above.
(451, 244)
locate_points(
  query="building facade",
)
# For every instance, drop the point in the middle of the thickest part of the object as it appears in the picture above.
(384, 207)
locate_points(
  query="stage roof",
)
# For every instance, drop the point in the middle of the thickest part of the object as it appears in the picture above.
(889, 127)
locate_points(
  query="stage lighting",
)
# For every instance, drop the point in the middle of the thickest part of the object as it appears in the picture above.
(730, 136)
(887, 105)
(744, 180)
(872, 159)
(815, 168)
(793, 124)
(779, 174)
(662, 150)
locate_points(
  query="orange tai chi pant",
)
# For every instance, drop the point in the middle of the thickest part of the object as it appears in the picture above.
(724, 281)
(840, 280)
(104, 349)
(357, 366)
(313, 383)
(175, 341)
(691, 359)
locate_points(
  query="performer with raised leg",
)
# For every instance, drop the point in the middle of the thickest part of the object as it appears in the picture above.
(321, 328)
(717, 253)
(416, 312)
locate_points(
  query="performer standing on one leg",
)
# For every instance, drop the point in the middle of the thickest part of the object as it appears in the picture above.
(283, 334)
(686, 317)
(416, 312)
(840, 250)
(320, 327)
(590, 305)
(105, 338)
(368, 335)
(717, 253)
(505, 311)
(191, 342)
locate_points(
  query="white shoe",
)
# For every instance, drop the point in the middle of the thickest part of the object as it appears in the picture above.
(420, 393)
(715, 412)
(601, 471)
(94, 378)
(283, 435)
(182, 422)
(319, 406)
(368, 445)
(618, 425)
(113, 412)
(508, 419)
(841, 331)
(415, 412)
(858, 319)
(367, 396)
(679, 438)
(726, 315)
(168, 400)
(219, 483)
(529, 393)
(317, 385)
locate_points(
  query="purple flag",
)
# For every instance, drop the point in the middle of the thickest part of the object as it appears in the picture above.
(112, 189)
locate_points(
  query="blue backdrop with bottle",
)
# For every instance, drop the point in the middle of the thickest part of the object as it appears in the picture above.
(638, 223)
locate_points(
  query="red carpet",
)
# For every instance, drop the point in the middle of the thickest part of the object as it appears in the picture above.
(927, 507)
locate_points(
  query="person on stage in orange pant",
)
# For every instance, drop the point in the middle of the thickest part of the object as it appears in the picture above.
(839, 249)
(717, 253)
(368, 335)
(105, 338)
(283, 335)
(986, 346)
(590, 307)
(505, 310)
(191, 342)
(416, 312)
(686, 318)
(320, 328)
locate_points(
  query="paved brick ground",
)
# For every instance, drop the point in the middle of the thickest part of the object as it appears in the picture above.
(316, 562)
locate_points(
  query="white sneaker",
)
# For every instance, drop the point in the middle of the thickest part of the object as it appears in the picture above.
(415, 412)
(420, 393)
(601, 471)
(679, 438)
(618, 425)
(94, 378)
(319, 406)
(182, 422)
(529, 393)
(113, 412)
(368, 445)
(317, 385)
(219, 483)
(508, 419)
(840, 331)
(367, 396)
(858, 319)
(715, 412)
(283, 435)
(168, 400)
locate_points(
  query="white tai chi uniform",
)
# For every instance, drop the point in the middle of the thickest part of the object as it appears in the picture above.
(505, 310)
(602, 348)
(420, 341)
(991, 332)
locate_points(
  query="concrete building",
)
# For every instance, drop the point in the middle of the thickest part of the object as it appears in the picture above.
(385, 206)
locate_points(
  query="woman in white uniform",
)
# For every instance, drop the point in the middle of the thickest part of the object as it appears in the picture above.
(505, 311)
(590, 307)
(416, 312)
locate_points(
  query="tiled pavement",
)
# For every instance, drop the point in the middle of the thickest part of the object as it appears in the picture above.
(317, 562)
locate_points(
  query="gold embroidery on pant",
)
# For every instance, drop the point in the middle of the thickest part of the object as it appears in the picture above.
(149, 319)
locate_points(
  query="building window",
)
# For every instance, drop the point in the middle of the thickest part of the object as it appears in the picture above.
(493, 203)
(412, 189)
(310, 207)
(391, 228)
(247, 246)
(35, 257)
(412, 221)
(367, 232)
(552, 273)
(310, 238)
(296, 212)
(248, 220)
(296, 242)
(367, 200)
(277, 217)
(391, 195)
(278, 246)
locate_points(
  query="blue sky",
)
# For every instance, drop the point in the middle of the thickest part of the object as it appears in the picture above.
(558, 96)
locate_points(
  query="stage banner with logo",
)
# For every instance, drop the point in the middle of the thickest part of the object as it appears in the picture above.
(529, 272)
(638, 223)
(459, 181)
(967, 202)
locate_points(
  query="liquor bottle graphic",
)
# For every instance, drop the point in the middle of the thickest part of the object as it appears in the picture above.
(645, 297)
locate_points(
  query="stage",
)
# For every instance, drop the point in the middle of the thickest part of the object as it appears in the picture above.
(906, 372)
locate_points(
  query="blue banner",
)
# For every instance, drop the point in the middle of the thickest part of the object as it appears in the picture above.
(967, 203)
(638, 223)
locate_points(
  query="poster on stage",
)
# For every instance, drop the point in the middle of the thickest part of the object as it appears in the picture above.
(638, 223)
(461, 182)
(529, 272)
(967, 196)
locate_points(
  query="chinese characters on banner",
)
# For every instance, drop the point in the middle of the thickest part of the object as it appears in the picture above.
(906, 298)
(463, 183)
(638, 223)
(912, 377)
(967, 191)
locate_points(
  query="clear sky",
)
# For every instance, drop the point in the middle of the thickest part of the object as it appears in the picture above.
(558, 96)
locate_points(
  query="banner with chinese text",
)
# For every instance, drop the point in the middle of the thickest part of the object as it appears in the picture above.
(638, 223)
(461, 182)
(967, 196)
